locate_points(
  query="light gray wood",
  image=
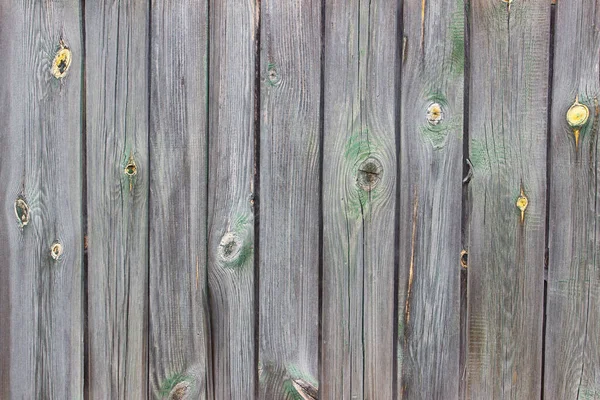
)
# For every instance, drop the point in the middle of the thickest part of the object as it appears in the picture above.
(179, 340)
(41, 316)
(431, 156)
(359, 199)
(117, 198)
(572, 357)
(230, 206)
(290, 54)
(508, 98)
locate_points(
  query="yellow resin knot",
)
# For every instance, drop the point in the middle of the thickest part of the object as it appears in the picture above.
(577, 117)
(522, 203)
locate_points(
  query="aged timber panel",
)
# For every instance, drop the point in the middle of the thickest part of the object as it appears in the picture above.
(179, 321)
(431, 154)
(359, 199)
(508, 89)
(572, 358)
(117, 197)
(230, 212)
(290, 54)
(41, 246)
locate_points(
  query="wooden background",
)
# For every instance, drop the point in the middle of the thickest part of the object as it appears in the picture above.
(257, 199)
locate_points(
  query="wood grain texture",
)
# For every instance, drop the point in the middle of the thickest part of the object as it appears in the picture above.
(359, 199)
(509, 50)
(431, 157)
(230, 187)
(41, 317)
(179, 346)
(290, 68)
(117, 197)
(572, 358)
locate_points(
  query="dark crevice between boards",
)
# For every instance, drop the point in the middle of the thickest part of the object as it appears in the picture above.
(84, 212)
(256, 194)
(148, 207)
(548, 186)
(467, 174)
(399, 59)
(320, 233)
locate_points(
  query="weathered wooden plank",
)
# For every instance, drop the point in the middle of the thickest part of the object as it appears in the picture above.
(508, 92)
(41, 246)
(230, 213)
(359, 199)
(290, 54)
(117, 197)
(178, 330)
(431, 154)
(572, 358)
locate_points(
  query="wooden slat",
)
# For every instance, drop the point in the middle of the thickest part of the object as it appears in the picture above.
(117, 197)
(178, 331)
(290, 54)
(572, 358)
(508, 89)
(359, 199)
(41, 317)
(430, 213)
(230, 213)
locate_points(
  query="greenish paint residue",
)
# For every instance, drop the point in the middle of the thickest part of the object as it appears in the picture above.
(172, 381)
(457, 38)
(295, 373)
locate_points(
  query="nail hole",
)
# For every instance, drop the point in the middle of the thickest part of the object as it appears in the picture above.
(369, 174)
(62, 61)
(179, 391)
(464, 259)
(22, 211)
(56, 250)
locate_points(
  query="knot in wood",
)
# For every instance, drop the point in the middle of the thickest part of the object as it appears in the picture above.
(56, 250)
(180, 391)
(369, 174)
(273, 77)
(578, 114)
(22, 211)
(464, 259)
(131, 168)
(230, 247)
(435, 114)
(62, 61)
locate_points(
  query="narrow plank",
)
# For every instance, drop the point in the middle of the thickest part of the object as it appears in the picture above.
(117, 197)
(509, 50)
(179, 321)
(431, 154)
(41, 317)
(290, 70)
(230, 211)
(572, 358)
(359, 199)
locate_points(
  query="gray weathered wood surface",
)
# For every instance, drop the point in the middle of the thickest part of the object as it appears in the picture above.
(116, 106)
(359, 199)
(508, 100)
(230, 193)
(431, 156)
(290, 53)
(262, 199)
(41, 316)
(572, 368)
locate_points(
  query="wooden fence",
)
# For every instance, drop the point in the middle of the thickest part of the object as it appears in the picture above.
(333, 199)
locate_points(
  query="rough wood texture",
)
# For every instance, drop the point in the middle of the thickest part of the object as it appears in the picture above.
(359, 199)
(117, 198)
(290, 56)
(572, 362)
(41, 316)
(230, 214)
(430, 199)
(508, 87)
(178, 332)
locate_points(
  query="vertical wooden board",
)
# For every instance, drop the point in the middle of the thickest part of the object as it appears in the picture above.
(509, 50)
(178, 327)
(41, 317)
(117, 197)
(230, 213)
(572, 358)
(431, 156)
(289, 197)
(359, 199)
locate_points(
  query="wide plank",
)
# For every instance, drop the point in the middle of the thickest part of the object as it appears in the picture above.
(116, 83)
(179, 339)
(41, 234)
(508, 98)
(359, 199)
